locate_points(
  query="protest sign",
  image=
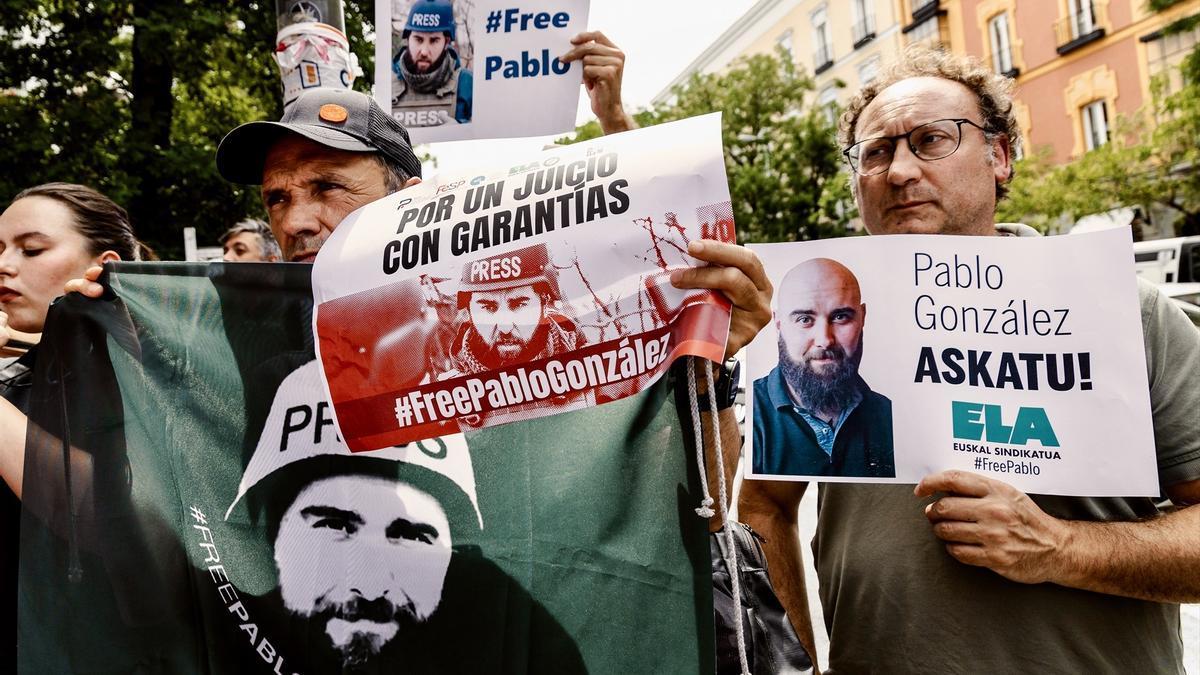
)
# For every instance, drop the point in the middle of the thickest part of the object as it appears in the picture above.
(523, 290)
(1018, 358)
(452, 70)
(207, 519)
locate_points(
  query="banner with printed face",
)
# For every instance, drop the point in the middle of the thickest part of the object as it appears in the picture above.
(189, 509)
(1018, 358)
(453, 70)
(524, 290)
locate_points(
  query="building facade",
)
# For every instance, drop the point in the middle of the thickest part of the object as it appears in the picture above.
(1078, 65)
(842, 43)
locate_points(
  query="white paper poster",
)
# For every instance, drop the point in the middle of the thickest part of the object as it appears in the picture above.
(522, 290)
(892, 357)
(452, 70)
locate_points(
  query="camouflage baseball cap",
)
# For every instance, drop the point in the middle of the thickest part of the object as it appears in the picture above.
(337, 118)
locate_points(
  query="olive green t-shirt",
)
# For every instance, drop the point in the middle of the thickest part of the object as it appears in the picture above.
(896, 602)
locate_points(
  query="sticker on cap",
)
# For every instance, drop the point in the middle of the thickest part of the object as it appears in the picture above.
(333, 113)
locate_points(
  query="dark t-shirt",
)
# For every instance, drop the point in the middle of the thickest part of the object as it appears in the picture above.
(15, 380)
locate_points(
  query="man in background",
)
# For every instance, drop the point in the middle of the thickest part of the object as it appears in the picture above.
(249, 241)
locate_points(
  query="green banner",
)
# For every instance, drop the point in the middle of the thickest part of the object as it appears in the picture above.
(189, 508)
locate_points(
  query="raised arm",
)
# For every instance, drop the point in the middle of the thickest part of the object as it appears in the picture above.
(603, 66)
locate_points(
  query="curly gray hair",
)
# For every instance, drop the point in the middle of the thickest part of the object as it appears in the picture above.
(994, 92)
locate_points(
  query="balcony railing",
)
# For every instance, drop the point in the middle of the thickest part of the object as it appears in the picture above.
(1078, 29)
(923, 9)
(822, 59)
(863, 30)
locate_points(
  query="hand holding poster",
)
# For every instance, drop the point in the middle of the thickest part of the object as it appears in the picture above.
(533, 288)
(452, 70)
(986, 354)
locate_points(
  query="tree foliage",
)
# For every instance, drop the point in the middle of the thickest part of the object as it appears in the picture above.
(1152, 159)
(781, 154)
(132, 97)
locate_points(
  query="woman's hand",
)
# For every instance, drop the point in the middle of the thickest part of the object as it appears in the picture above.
(87, 285)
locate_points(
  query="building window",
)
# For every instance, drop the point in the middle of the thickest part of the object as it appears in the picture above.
(928, 32)
(785, 42)
(1095, 124)
(923, 9)
(1083, 24)
(1082, 17)
(998, 38)
(868, 70)
(864, 23)
(822, 44)
(1165, 53)
(827, 103)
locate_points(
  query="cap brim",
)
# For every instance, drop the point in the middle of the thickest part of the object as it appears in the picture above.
(243, 151)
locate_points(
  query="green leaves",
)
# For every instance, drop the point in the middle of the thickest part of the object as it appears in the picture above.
(1151, 161)
(78, 106)
(781, 155)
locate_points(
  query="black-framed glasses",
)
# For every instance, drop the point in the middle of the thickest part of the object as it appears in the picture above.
(929, 141)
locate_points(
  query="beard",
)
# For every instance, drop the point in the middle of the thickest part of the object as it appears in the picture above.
(360, 651)
(833, 390)
(518, 351)
(423, 66)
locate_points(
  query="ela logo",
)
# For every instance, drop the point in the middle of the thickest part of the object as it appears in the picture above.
(979, 421)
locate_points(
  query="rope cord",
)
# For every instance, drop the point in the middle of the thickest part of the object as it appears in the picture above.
(730, 557)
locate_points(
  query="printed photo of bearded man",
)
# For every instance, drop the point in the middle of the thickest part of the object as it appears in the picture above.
(813, 413)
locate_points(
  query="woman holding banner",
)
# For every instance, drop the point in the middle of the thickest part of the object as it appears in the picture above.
(49, 234)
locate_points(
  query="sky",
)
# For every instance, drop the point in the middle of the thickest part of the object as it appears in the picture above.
(649, 32)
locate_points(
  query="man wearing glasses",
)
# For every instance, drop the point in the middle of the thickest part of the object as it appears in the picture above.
(984, 578)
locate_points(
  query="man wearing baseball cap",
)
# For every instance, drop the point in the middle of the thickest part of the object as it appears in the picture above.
(510, 300)
(431, 86)
(333, 151)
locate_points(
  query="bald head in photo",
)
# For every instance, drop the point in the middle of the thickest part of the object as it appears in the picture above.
(814, 403)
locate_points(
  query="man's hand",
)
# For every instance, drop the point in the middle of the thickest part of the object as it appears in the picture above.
(989, 523)
(603, 65)
(738, 273)
(4, 334)
(87, 285)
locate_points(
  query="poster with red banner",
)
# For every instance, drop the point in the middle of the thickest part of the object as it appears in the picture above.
(521, 290)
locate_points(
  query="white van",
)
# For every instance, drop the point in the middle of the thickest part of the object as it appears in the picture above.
(1168, 261)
